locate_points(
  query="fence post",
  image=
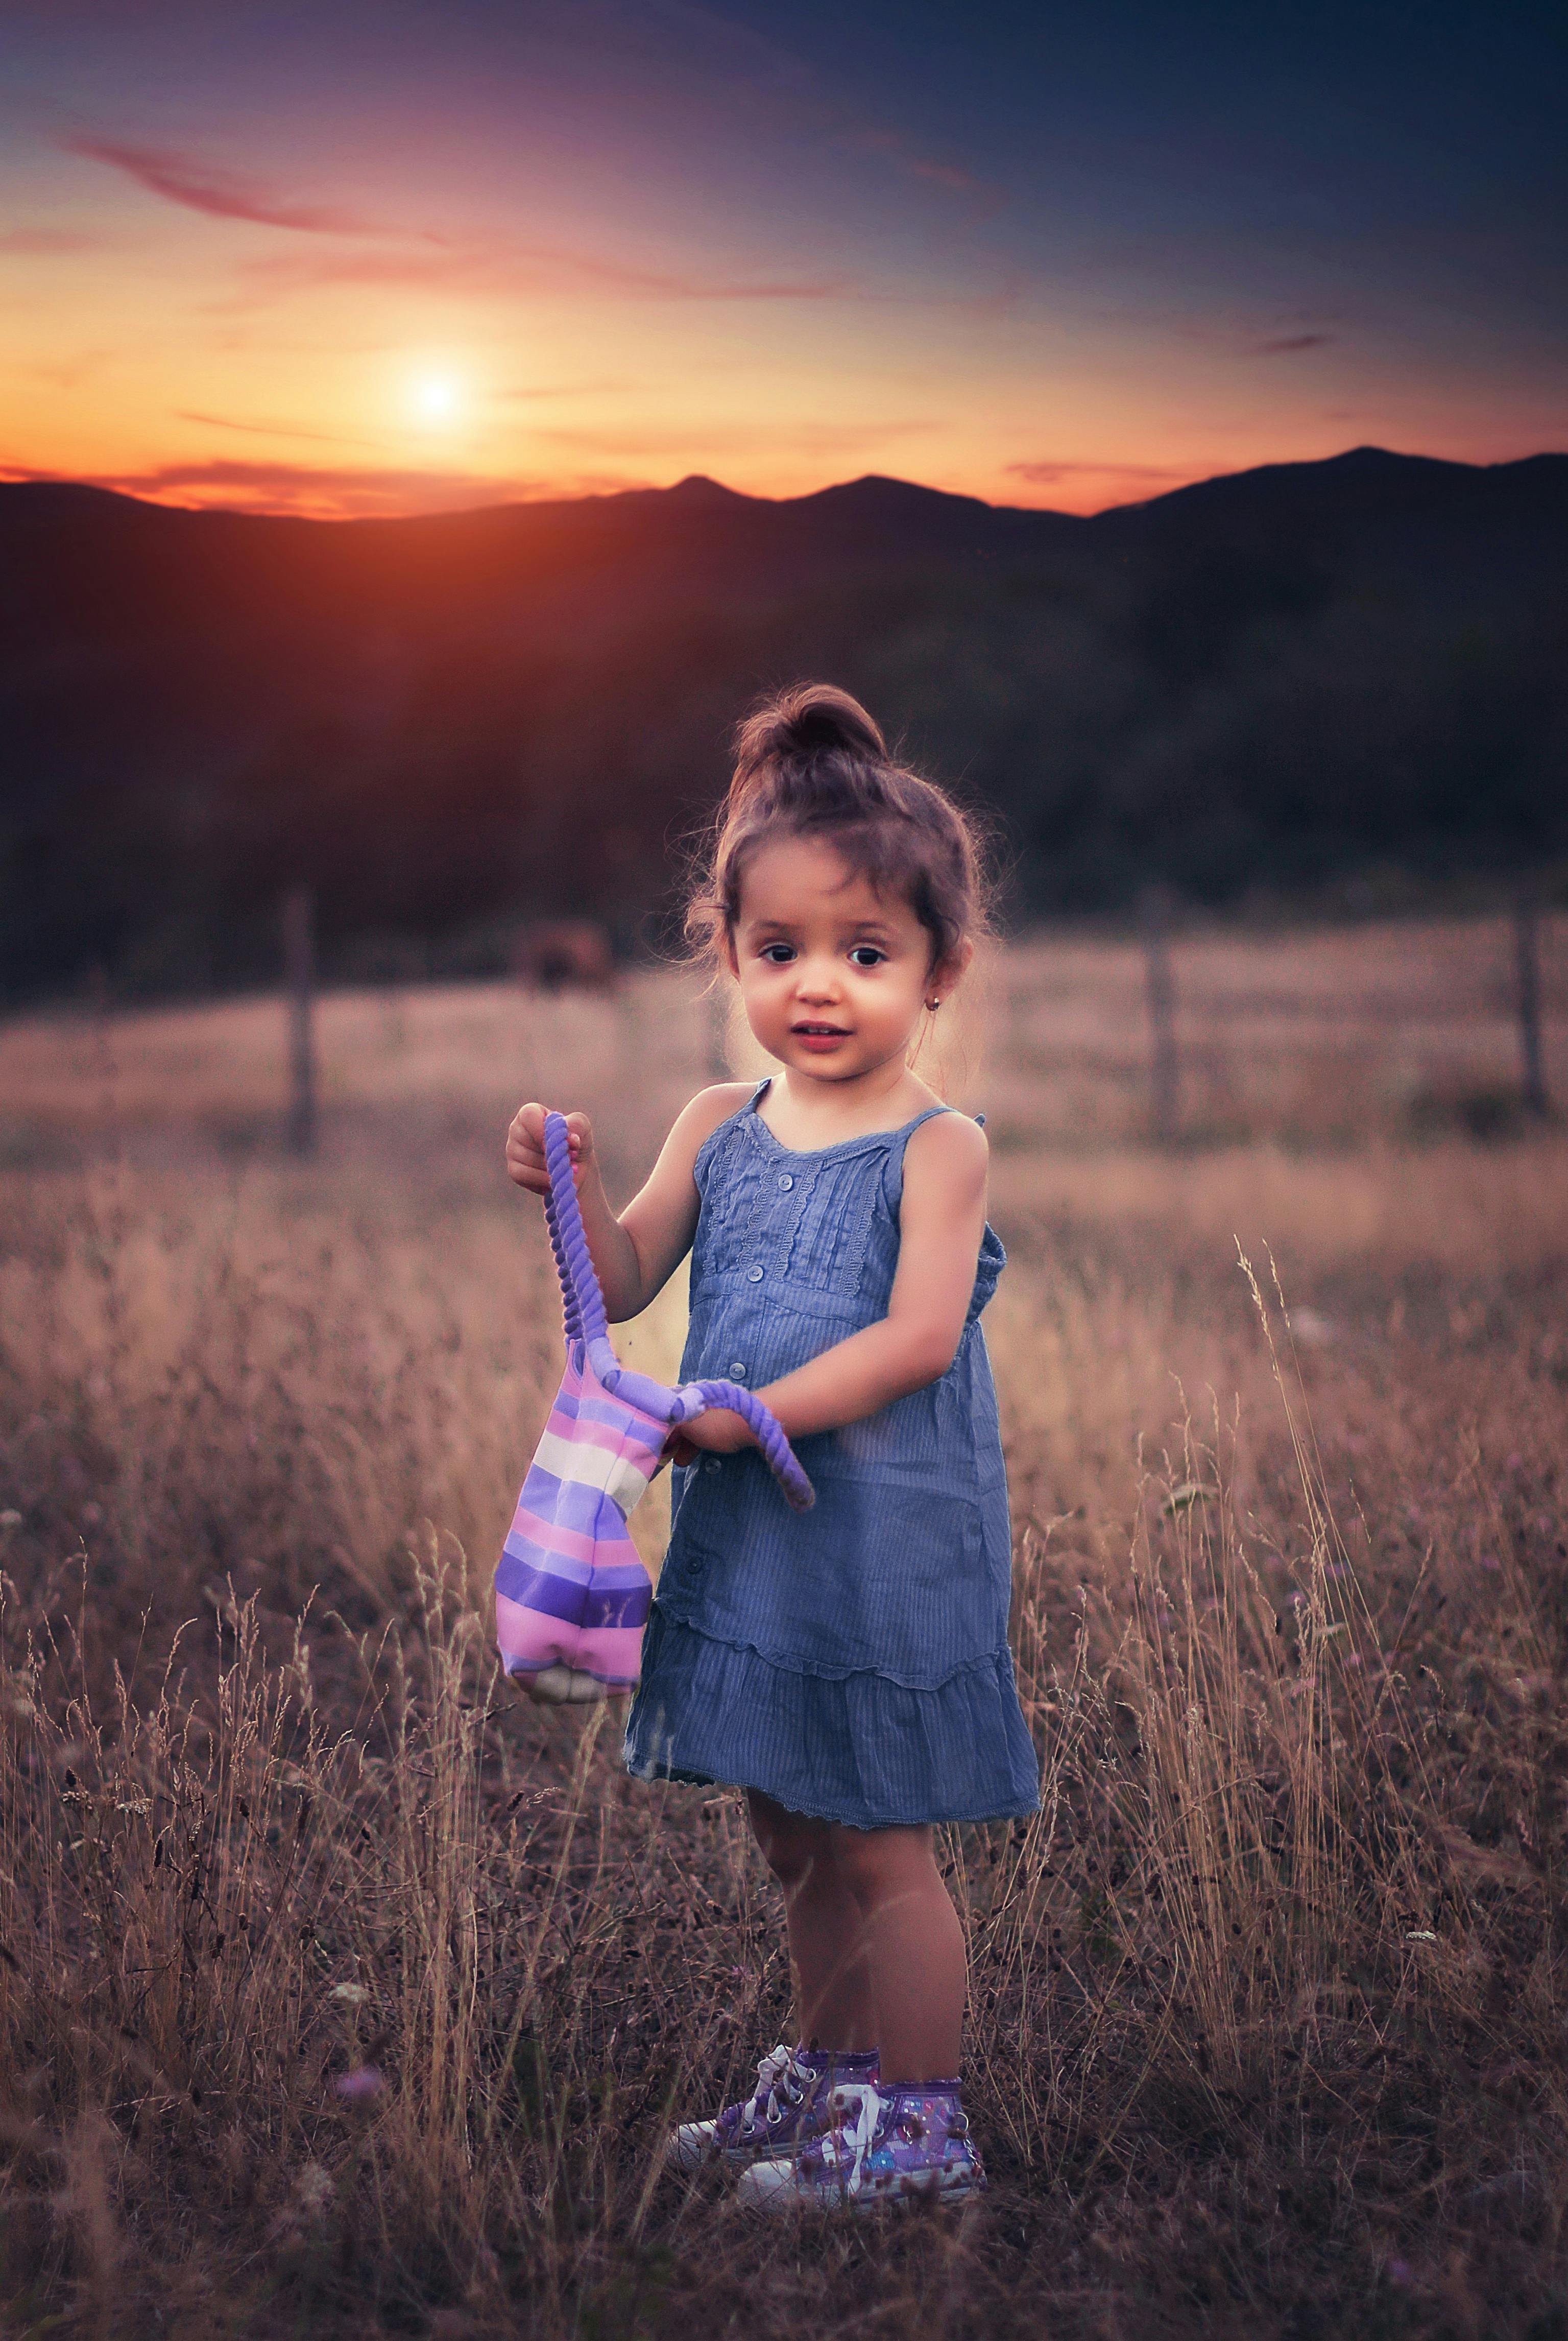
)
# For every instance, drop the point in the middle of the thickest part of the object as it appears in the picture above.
(1527, 966)
(1157, 905)
(300, 983)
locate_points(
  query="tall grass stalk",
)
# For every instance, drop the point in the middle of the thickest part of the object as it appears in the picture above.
(340, 1992)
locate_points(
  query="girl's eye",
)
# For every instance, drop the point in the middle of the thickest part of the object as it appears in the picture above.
(867, 955)
(778, 954)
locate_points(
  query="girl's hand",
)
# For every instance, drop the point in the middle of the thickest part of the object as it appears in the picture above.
(525, 1148)
(718, 1431)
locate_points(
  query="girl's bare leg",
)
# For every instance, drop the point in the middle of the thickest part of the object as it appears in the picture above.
(913, 1945)
(826, 1960)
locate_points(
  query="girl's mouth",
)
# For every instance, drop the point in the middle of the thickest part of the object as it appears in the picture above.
(818, 1036)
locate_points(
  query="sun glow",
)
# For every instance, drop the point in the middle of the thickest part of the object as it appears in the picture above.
(437, 399)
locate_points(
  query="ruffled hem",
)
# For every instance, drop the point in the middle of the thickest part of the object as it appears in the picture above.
(862, 1750)
(786, 1662)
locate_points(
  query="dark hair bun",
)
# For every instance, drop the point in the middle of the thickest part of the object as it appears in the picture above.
(810, 762)
(800, 725)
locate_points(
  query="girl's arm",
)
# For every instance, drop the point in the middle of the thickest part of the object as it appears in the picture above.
(636, 1254)
(942, 1219)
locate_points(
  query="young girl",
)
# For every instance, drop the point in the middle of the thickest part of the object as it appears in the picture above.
(848, 1667)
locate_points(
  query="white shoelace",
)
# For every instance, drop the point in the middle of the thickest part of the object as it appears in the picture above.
(868, 2102)
(775, 2072)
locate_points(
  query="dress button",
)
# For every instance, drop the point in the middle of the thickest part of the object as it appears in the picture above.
(784, 1182)
(711, 1464)
(754, 1275)
(738, 1370)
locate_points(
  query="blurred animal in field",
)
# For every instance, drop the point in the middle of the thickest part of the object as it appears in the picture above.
(564, 954)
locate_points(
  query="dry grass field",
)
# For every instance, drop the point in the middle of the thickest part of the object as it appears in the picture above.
(339, 1993)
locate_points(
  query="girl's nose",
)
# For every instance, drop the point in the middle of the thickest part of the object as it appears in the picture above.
(817, 982)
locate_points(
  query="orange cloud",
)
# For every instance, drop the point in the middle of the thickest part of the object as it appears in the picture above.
(526, 393)
(829, 439)
(324, 492)
(269, 430)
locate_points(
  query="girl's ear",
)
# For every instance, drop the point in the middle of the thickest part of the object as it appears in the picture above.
(732, 960)
(949, 972)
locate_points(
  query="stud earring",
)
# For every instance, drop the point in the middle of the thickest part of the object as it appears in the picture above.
(932, 1006)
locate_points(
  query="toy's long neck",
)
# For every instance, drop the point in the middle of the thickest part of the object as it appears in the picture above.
(582, 1302)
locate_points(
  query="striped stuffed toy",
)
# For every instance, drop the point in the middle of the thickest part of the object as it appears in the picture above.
(571, 1592)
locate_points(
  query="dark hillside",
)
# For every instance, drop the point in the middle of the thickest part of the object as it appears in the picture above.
(447, 722)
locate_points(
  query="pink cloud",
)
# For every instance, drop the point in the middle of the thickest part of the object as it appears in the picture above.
(1047, 475)
(501, 265)
(223, 194)
(429, 260)
(892, 146)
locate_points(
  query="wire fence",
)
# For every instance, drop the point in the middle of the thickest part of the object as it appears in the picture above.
(1175, 1034)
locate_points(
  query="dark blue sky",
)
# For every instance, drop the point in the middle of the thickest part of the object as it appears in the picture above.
(1053, 256)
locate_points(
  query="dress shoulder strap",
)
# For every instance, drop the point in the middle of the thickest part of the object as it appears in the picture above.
(722, 1129)
(893, 1167)
(929, 1114)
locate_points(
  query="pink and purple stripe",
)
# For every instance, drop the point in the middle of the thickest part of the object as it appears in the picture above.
(569, 1587)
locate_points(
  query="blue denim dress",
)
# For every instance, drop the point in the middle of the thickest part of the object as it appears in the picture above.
(850, 1661)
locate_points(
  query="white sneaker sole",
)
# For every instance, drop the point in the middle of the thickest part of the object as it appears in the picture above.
(695, 2145)
(775, 2187)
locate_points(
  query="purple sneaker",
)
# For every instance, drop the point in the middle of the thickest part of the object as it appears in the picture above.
(785, 2111)
(893, 2147)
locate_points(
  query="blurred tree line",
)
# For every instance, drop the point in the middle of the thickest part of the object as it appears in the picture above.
(443, 726)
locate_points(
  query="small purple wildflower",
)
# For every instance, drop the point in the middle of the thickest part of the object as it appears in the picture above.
(364, 2082)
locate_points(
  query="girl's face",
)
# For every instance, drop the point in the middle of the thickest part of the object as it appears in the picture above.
(834, 975)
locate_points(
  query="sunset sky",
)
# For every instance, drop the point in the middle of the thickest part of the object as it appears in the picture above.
(351, 258)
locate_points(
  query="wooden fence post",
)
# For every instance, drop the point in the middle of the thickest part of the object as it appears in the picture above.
(1527, 966)
(300, 982)
(1159, 984)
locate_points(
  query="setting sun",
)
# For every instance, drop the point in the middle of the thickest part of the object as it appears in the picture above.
(360, 261)
(437, 399)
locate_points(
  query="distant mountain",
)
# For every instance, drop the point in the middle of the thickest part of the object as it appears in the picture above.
(448, 723)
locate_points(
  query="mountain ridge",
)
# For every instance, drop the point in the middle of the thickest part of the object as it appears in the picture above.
(695, 485)
(447, 722)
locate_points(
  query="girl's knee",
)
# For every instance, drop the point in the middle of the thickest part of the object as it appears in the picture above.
(790, 1844)
(872, 1865)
